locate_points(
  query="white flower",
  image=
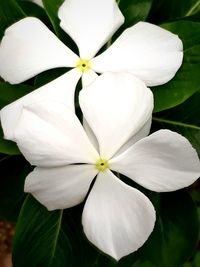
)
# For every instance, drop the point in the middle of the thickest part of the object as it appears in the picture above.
(116, 218)
(148, 51)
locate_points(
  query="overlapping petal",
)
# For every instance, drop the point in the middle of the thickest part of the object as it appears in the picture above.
(164, 161)
(117, 218)
(88, 77)
(143, 132)
(148, 51)
(115, 106)
(90, 134)
(49, 134)
(61, 90)
(90, 23)
(61, 187)
(29, 48)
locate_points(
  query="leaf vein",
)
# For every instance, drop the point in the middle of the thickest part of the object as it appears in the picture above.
(177, 123)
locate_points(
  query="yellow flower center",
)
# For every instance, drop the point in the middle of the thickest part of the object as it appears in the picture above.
(102, 165)
(83, 65)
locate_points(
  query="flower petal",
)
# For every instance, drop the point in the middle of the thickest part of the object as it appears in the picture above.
(49, 134)
(61, 187)
(164, 161)
(143, 132)
(61, 90)
(29, 48)
(88, 77)
(90, 134)
(115, 106)
(117, 218)
(151, 53)
(90, 23)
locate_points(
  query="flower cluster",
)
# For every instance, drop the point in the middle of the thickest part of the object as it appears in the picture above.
(117, 109)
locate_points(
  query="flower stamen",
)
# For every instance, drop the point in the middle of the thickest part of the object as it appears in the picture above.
(83, 65)
(102, 165)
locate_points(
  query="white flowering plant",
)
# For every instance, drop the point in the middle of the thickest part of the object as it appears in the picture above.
(100, 131)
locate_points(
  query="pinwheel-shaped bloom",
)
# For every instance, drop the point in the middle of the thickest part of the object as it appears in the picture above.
(117, 218)
(148, 51)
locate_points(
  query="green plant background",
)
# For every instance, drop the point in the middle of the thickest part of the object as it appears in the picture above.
(56, 239)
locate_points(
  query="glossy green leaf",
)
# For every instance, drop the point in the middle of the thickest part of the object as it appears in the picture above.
(183, 119)
(176, 232)
(10, 12)
(39, 240)
(187, 80)
(135, 10)
(164, 10)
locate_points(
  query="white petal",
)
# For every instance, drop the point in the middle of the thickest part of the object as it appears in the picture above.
(49, 134)
(90, 23)
(164, 161)
(143, 132)
(61, 187)
(88, 77)
(115, 106)
(117, 218)
(29, 48)
(90, 134)
(61, 90)
(149, 52)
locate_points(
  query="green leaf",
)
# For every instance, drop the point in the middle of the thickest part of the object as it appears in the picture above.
(48, 76)
(39, 240)
(182, 119)
(13, 172)
(7, 147)
(51, 8)
(135, 10)
(10, 93)
(34, 10)
(188, 32)
(142, 264)
(197, 260)
(187, 80)
(10, 12)
(176, 232)
(84, 254)
(164, 10)
(188, 264)
(195, 17)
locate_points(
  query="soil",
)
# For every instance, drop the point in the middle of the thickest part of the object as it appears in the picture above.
(6, 234)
